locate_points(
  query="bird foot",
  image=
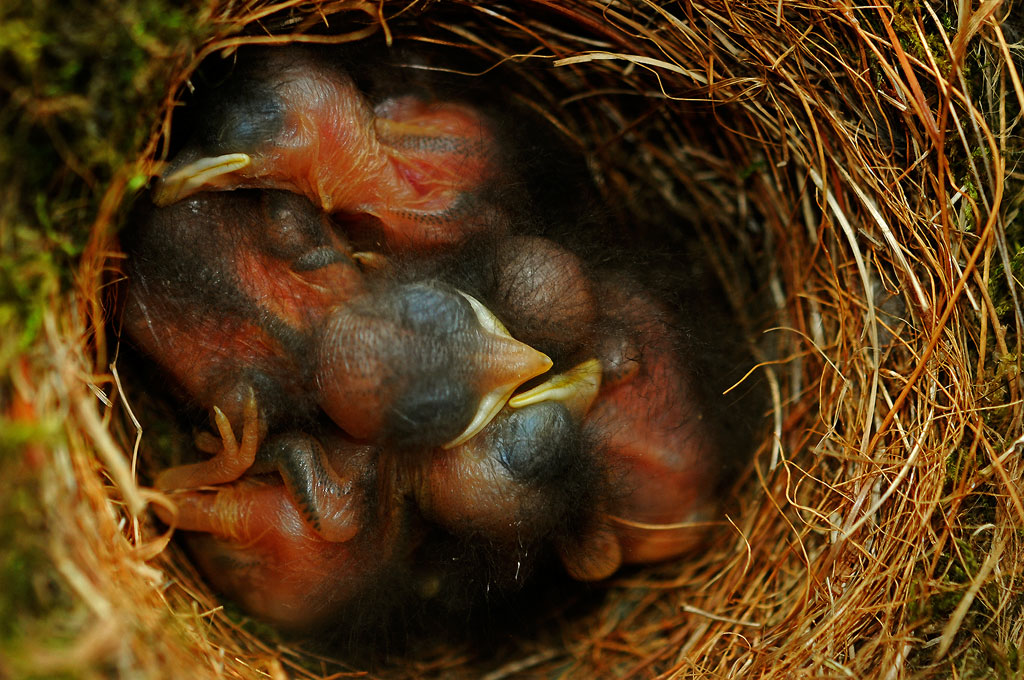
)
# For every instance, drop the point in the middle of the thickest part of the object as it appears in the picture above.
(231, 458)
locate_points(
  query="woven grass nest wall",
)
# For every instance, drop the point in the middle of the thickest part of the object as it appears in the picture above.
(851, 174)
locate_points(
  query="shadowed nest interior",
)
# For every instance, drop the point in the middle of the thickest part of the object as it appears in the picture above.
(849, 173)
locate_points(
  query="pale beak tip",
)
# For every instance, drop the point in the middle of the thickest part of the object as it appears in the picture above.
(196, 176)
(576, 388)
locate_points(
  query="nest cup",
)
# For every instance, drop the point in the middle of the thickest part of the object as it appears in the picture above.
(843, 171)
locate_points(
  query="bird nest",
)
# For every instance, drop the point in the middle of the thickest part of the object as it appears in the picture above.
(847, 173)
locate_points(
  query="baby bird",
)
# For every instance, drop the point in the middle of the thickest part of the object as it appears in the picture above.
(288, 118)
(628, 387)
(479, 382)
(524, 479)
(424, 365)
(659, 439)
(254, 305)
(256, 542)
(225, 293)
(608, 459)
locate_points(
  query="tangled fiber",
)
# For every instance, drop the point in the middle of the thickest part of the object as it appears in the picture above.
(850, 172)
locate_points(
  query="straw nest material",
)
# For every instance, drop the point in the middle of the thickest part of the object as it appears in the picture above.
(850, 171)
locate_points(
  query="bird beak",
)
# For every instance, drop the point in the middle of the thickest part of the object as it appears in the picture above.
(510, 364)
(371, 261)
(211, 171)
(576, 388)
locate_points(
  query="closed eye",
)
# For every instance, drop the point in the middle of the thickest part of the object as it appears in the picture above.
(318, 259)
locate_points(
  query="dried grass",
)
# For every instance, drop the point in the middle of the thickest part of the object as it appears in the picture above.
(855, 158)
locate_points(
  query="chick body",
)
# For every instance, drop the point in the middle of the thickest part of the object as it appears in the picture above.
(605, 466)
(254, 540)
(227, 292)
(286, 119)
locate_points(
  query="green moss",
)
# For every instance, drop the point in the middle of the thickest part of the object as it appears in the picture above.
(906, 17)
(999, 284)
(83, 81)
(955, 569)
(759, 165)
(33, 596)
(30, 276)
(80, 88)
(1013, 659)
